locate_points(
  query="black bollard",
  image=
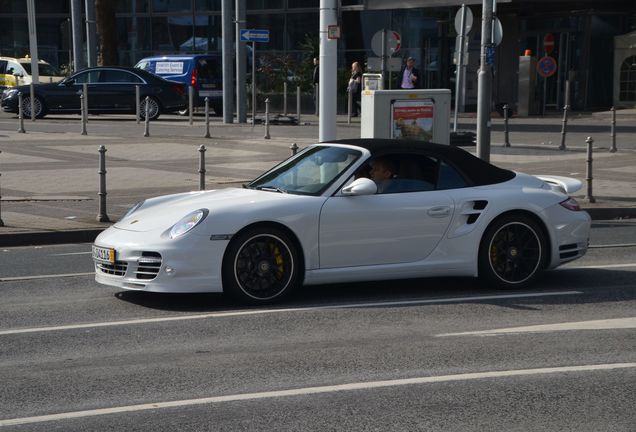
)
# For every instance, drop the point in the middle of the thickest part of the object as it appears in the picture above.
(613, 131)
(101, 215)
(588, 172)
(201, 167)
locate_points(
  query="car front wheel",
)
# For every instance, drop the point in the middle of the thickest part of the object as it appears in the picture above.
(261, 265)
(512, 252)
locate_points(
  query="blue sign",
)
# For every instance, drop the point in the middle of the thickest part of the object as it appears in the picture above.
(254, 35)
(547, 66)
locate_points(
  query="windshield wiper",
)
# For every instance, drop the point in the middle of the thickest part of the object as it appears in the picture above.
(270, 188)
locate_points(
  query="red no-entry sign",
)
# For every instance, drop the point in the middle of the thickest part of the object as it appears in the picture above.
(548, 43)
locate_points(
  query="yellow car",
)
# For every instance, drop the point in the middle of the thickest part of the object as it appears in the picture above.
(17, 71)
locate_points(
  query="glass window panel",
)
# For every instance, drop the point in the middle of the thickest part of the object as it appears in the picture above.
(271, 22)
(116, 76)
(264, 4)
(87, 77)
(303, 3)
(172, 5)
(300, 26)
(208, 5)
(131, 6)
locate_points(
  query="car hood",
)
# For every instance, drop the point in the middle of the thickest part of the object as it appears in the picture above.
(164, 211)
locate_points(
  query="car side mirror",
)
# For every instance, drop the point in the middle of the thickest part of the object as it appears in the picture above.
(361, 186)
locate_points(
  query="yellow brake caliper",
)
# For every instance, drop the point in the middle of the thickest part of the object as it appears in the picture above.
(279, 263)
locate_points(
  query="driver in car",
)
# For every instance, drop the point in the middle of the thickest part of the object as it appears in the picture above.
(383, 171)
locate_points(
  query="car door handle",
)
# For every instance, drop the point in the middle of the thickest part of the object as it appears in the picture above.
(439, 212)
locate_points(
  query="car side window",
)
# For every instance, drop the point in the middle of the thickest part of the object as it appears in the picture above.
(400, 173)
(3, 66)
(13, 68)
(117, 76)
(87, 77)
(450, 178)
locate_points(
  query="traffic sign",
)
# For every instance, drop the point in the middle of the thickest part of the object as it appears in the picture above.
(546, 66)
(393, 42)
(469, 21)
(254, 35)
(548, 43)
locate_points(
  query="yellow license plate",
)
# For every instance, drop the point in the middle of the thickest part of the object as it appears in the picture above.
(104, 254)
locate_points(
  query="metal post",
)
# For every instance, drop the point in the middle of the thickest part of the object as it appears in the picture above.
(1, 221)
(137, 101)
(146, 118)
(85, 93)
(20, 115)
(298, 104)
(285, 98)
(293, 148)
(506, 136)
(76, 31)
(317, 98)
(32, 98)
(201, 167)
(83, 112)
(564, 127)
(484, 86)
(241, 60)
(588, 173)
(613, 131)
(267, 136)
(91, 33)
(349, 107)
(227, 60)
(253, 83)
(328, 62)
(101, 215)
(207, 117)
(190, 103)
(460, 65)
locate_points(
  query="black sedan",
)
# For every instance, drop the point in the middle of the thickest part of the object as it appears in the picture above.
(110, 90)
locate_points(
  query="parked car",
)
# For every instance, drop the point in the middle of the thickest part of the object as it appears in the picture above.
(17, 71)
(110, 90)
(201, 72)
(316, 218)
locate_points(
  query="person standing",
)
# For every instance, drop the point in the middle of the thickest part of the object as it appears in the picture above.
(316, 80)
(355, 88)
(410, 76)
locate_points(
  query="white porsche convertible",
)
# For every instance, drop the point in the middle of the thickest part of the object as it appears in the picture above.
(350, 210)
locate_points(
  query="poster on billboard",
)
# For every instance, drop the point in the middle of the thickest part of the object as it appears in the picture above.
(412, 119)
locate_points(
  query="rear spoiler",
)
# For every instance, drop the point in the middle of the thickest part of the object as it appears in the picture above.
(567, 185)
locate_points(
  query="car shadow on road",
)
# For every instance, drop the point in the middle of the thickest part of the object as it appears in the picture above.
(553, 287)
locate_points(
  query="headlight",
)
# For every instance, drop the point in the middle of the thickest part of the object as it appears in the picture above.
(132, 209)
(9, 92)
(187, 223)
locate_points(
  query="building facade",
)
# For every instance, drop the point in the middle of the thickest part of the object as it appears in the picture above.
(583, 31)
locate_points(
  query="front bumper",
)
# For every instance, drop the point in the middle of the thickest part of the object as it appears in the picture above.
(144, 261)
(9, 104)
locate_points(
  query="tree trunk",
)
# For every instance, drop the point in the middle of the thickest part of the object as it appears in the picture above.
(106, 32)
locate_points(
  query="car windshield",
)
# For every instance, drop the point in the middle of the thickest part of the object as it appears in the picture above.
(43, 69)
(310, 173)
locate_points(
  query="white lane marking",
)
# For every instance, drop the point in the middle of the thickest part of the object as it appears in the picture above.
(602, 266)
(369, 385)
(284, 310)
(71, 253)
(63, 275)
(607, 324)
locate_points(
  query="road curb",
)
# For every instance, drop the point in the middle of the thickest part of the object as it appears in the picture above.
(608, 213)
(40, 238)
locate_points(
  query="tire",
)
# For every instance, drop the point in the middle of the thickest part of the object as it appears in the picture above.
(261, 265)
(512, 252)
(39, 107)
(153, 106)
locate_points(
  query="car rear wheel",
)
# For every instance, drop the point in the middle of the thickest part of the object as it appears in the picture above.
(512, 252)
(261, 265)
(154, 109)
(38, 107)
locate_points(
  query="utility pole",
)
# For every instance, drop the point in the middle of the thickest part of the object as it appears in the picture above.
(241, 70)
(91, 34)
(328, 62)
(484, 83)
(226, 29)
(33, 42)
(76, 24)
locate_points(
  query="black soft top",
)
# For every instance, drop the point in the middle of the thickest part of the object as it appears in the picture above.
(476, 171)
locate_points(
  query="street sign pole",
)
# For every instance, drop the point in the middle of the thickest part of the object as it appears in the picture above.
(253, 82)
(484, 86)
(33, 43)
(460, 66)
(241, 100)
(226, 31)
(328, 63)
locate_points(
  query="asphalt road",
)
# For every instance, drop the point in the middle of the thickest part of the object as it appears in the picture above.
(427, 354)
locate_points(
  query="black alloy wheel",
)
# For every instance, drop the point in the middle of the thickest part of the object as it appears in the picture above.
(512, 252)
(261, 265)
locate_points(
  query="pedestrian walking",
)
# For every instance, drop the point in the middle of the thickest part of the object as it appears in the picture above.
(354, 87)
(409, 78)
